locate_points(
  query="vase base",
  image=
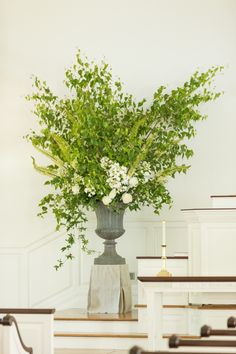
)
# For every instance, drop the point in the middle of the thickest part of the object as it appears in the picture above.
(112, 260)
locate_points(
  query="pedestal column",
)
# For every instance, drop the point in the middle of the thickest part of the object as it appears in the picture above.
(109, 289)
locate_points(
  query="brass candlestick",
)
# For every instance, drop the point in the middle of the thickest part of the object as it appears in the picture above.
(163, 272)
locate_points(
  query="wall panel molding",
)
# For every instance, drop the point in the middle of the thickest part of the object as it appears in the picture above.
(33, 282)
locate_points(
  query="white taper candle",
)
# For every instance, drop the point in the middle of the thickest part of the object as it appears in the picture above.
(163, 232)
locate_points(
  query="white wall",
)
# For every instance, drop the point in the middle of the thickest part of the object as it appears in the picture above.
(148, 43)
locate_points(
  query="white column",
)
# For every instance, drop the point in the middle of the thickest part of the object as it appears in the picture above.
(155, 321)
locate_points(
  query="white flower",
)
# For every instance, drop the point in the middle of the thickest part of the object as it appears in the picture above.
(133, 182)
(112, 194)
(61, 171)
(104, 162)
(148, 176)
(75, 189)
(90, 191)
(106, 200)
(127, 198)
(146, 165)
(152, 175)
(117, 175)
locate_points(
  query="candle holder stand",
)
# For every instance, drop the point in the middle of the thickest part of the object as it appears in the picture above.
(163, 272)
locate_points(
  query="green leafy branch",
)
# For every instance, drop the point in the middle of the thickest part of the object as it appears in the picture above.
(97, 119)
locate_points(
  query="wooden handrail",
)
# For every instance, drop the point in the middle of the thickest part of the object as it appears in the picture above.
(28, 311)
(207, 209)
(207, 331)
(138, 350)
(159, 257)
(8, 320)
(187, 279)
(176, 342)
(231, 322)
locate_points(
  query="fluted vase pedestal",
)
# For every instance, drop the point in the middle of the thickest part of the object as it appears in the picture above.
(110, 286)
(109, 227)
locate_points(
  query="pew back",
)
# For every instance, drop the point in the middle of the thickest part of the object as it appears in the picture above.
(36, 327)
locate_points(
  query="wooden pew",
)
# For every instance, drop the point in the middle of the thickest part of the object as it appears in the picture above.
(207, 331)
(11, 340)
(138, 350)
(231, 322)
(36, 327)
(176, 342)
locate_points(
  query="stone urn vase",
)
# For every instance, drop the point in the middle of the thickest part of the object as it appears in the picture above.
(109, 227)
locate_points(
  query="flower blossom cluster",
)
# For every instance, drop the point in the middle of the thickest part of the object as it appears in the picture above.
(88, 188)
(118, 180)
(118, 177)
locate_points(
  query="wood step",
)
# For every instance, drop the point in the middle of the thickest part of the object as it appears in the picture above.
(120, 335)
(78, 320)
(120, 341)
(196, 307)
(90, 351)
(102, 335)
(217, 307)
(138, 306)
(82, 315)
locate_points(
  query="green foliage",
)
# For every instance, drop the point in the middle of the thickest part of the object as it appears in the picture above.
(97, 121)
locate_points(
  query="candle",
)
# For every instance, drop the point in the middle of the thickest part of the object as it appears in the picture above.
(163, 232)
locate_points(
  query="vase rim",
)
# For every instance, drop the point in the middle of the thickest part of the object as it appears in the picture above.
(121, 206)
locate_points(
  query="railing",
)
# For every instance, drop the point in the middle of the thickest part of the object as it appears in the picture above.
(176, 342)
(231, 323)
(8, 320)
(207, 331)
(137, 350)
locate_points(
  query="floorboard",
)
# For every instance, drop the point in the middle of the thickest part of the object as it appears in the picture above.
(82, 315)
(90, 351)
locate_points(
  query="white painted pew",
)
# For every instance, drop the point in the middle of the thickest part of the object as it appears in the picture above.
(36, 328)
(11, 341)
(155, 287)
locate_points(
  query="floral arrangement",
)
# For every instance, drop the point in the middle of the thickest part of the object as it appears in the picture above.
(105, 146)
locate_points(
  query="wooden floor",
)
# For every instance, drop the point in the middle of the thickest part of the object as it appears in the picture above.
(90, 351)
(82, 315)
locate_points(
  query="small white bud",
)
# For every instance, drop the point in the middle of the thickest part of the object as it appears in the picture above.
(75, 189)
(133, 182)
(106, 200)
(61, 171)
(112, 194)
